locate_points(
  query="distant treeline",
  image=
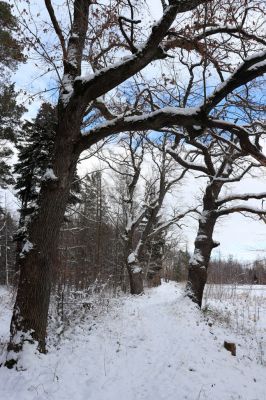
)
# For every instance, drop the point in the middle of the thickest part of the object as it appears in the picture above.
(90, 251)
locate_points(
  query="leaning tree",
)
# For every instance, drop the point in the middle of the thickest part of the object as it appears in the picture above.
(103, 48)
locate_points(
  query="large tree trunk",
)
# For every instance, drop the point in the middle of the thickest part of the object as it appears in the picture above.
(29, 320)
(155, 264)
(135, 274)
(136, 282)
(198, 264)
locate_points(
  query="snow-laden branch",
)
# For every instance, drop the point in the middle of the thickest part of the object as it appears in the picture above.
(250, 69)
(106, 79)
(167, 116)
(133, 223)
(245, 197)
(206, 155)
(240, 209)
(73, 52)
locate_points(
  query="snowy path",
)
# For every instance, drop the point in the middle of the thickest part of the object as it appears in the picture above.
(152, 347)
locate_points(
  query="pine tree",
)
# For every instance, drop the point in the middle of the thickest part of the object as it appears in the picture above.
(10, 46)
(10, 112)
(35, 153)
(35, 147)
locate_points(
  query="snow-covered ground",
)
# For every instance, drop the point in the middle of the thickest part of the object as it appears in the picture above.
(157, 346)
(243, 307)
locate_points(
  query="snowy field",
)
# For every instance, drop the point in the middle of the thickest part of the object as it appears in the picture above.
(243, 307)
(152, 347)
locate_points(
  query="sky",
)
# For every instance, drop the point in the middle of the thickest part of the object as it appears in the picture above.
(239, 236)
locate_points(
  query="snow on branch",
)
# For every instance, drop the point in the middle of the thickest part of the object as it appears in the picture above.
(49, 175)
(197, 258)
(132, 224)
(106, 79)
(240, 209)
(27, 247)
(251, 68)
(167, 116)
(245, 197)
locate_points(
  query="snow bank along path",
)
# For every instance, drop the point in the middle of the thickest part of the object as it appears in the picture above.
(152, 347)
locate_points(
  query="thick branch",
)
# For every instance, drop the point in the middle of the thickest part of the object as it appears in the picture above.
(239, 209)
(236, 178)
(168, 116)
(206, 155)
(251, 68)
(246, 196)
(77, 37)
(243, 136)
(108, 78)
(101, 106)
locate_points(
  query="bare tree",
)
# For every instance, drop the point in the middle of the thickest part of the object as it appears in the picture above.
(141, 210)
(94, 34)
(222, 163)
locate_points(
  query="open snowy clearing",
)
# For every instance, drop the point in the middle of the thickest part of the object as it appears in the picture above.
(156, 346)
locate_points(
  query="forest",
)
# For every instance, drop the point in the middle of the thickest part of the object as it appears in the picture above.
(132, 138)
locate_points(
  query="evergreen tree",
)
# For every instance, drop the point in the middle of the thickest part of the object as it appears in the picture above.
(10, 46)
(35, 153)
(35, 147)
(10, 112)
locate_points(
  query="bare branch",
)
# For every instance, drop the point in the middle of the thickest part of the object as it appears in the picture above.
(186, 164)
(171, 222)
(56, 26)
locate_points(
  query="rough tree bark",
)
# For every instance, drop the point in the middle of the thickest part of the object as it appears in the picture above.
(29, 320)
(204, 244)
(77, 94)
(155, 263)
(220, 173)
(135, 274)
